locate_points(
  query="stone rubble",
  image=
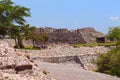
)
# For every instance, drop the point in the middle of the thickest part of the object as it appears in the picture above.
(15, 65)
(66, 50)
(20, 58)
(63, 53)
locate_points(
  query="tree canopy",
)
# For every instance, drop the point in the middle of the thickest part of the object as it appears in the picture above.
(114, 33)
(12, 20)
(110, 62)
(37, 37)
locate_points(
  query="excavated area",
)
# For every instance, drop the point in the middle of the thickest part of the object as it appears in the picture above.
(83, 56)
(64, 62)
(84, 61)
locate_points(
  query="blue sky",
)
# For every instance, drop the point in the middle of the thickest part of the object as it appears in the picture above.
(73, 14)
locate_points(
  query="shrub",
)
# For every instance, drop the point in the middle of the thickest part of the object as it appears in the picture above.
(109, 63)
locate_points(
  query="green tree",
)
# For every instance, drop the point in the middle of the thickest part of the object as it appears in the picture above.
(11, 16)
(5, 12)
(114, 33)
(18, 33)
(37, 37)
(31, 35)
(14, 33)
(109, 63)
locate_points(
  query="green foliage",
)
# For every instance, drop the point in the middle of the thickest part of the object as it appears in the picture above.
(12, 21)
(114, 33)
(37, 37)
(95, 44)
(108, 44)
(109, 62)
(85, 45)
(12, 14)
(30, 48)
(43, 37)
(5, 11)
(15, 31)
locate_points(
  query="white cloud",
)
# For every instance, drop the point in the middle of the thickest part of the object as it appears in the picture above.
(114, 18)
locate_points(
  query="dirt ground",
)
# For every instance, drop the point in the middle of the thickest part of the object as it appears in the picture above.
(72, 72)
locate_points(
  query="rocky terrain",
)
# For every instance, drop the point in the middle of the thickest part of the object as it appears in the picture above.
(65, 62)
(64, 53)
(16, 65)
(57, 62)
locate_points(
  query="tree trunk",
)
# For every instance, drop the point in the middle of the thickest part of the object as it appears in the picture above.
(33, 43)
(20, 43)
(16, 43)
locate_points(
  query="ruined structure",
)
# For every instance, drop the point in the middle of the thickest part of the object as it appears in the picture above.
(16, 65)
(85, 35)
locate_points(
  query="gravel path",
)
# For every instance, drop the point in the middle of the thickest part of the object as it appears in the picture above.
(72, 72)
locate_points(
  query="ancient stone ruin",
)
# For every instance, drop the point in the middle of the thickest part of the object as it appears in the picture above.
(85, 35)
(15, 65)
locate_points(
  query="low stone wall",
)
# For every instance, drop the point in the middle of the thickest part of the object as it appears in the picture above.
(85, 61)
(68, 54)
(64, 59)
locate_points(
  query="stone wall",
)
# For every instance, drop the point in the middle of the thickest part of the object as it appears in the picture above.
(85, 35)
(82, 56)
(85, 61)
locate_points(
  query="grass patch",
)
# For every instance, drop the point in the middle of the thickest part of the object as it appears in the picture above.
(84, 45)
(95, 44)
(30, 48)
(108, 44)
